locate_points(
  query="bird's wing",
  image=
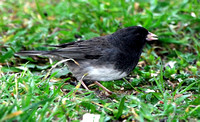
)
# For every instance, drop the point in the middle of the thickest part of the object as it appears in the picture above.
(88, 49)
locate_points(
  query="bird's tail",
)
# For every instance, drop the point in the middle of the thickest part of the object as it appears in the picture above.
(31, 53)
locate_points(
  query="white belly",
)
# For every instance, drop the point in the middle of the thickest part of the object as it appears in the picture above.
(104, 73)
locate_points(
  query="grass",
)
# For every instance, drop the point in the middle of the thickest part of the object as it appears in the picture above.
(165, 86)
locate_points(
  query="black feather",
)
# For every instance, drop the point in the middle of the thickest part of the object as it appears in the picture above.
(119, 51)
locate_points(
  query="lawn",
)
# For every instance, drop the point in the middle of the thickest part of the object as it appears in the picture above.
(165, 85)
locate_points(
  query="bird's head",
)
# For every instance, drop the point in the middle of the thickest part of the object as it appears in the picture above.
(134, 37)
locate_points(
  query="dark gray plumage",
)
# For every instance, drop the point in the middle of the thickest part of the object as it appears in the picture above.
(103, 58)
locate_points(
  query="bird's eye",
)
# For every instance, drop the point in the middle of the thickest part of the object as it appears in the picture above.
(137, 34)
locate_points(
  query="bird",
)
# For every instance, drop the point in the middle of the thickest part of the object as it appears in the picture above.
(104, 58)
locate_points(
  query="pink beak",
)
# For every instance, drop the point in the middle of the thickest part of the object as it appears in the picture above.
(151, 37)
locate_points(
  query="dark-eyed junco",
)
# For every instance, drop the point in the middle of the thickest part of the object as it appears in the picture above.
(103, 58)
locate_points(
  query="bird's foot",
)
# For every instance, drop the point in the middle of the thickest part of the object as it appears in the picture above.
(104, 88)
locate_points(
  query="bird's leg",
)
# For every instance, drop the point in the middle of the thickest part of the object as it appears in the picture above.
(104, 88)
(84, 85)
(97, 83)
(81, 82)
